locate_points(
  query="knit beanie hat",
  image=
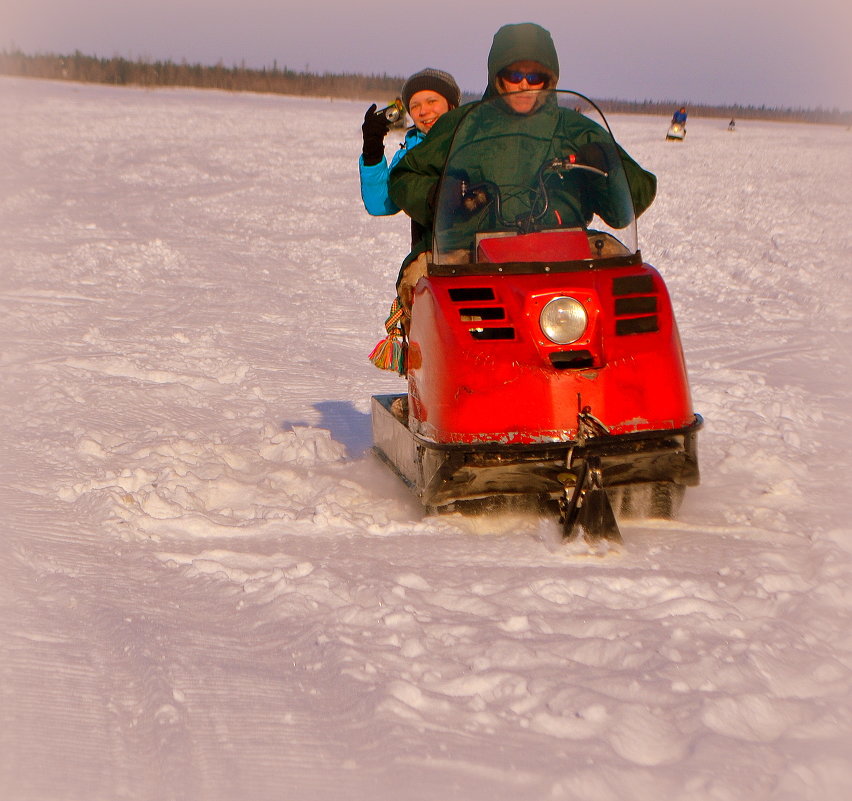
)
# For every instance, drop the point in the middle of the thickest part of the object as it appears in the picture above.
(434, 81)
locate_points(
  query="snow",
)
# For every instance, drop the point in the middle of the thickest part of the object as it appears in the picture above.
(209, 589)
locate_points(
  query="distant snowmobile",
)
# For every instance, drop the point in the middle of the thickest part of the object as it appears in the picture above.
(544, 361)
(676, 131)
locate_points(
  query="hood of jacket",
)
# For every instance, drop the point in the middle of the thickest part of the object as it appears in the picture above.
(524, 41)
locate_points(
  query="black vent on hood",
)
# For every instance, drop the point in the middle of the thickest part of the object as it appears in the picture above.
(635, 305)
(640, 305)
(633, 285)
(468, 294)
(636, 325)
(472, 314)
(492, 333)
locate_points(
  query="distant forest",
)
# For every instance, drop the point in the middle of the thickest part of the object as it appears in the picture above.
(281, 80)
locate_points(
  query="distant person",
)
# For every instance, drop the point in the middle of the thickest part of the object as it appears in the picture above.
(732, 126)
(679, 117)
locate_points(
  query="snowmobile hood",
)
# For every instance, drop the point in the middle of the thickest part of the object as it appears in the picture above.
(524, 41)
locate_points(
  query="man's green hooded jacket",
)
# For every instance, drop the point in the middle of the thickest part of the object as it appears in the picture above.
(548, 131)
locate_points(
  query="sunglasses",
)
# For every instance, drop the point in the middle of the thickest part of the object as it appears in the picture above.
(516, 76)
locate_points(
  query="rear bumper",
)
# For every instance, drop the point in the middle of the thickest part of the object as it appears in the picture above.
(443, 473)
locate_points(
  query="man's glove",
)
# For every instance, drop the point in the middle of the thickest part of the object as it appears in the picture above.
(374, 130)
(593, 155)
(459, 196)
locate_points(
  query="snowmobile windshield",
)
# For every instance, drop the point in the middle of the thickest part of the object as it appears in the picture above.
(533, 163)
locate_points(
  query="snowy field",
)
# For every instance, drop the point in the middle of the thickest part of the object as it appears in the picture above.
(209, 590)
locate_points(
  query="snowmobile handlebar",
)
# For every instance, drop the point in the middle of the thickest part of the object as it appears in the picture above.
(570, 163)
(477, 196)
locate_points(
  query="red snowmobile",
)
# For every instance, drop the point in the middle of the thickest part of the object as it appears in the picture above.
(544, 361)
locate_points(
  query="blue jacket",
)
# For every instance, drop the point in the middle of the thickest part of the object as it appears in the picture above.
(374, 178)
(679, 117)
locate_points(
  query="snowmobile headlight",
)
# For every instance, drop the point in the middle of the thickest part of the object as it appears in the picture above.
(563, 320)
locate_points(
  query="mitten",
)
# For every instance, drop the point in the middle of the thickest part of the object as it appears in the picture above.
(374, 130)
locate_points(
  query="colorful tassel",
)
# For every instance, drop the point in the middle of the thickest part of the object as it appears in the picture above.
(392, 351)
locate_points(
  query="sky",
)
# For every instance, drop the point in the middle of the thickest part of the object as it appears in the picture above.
(787, 53)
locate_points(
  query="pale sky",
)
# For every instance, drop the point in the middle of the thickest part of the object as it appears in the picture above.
(790, 53)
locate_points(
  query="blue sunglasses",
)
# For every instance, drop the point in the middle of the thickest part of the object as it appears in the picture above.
(516, 76)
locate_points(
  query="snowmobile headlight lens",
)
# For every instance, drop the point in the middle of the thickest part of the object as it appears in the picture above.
(563, 320)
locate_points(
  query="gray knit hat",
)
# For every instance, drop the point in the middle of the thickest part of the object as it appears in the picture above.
(435, 81)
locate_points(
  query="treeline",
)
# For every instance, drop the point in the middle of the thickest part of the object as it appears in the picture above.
(123, 72)
(281, 80)
(734, 112)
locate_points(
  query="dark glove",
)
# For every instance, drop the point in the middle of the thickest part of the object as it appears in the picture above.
(459, 197)
(593, 155)
(374, 130)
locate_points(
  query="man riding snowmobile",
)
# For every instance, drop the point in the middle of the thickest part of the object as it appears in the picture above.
(522, 66)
